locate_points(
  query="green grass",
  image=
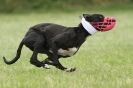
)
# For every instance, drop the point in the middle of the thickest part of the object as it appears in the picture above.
(105, 60)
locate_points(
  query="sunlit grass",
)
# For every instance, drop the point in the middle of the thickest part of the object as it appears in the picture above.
(104, 61)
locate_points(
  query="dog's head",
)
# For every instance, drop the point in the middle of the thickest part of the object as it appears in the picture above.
(99, 22)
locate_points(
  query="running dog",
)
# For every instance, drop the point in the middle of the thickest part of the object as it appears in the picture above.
(58, 41)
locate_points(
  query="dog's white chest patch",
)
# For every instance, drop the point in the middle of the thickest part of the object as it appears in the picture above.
(68, 52)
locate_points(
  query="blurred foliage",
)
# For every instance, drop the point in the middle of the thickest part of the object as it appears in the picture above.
(25, 5)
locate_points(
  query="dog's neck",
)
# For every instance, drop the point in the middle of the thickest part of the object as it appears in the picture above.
(81, 34)
(88, 26)
(81, 30)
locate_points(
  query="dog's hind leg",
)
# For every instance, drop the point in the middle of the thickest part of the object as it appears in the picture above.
(34, 59)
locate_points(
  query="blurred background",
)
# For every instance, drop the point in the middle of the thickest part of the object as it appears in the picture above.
(11, 6)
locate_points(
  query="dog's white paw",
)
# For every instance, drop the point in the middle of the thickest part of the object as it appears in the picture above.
(46, 66)
(70, 69)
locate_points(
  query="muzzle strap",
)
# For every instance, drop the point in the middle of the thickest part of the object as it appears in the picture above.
(88, 27)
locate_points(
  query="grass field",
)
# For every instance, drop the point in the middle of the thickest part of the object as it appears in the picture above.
(105, 60)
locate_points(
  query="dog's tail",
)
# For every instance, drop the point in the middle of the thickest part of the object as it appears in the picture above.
(17, 55)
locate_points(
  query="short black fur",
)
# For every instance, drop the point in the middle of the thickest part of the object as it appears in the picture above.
(48, 38)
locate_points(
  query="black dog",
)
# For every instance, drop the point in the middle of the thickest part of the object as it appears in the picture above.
(55, 41)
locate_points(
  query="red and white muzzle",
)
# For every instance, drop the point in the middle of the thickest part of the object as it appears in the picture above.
(106, 25)
(93, 27)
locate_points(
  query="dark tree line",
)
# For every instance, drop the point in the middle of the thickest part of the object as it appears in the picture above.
(12, 5)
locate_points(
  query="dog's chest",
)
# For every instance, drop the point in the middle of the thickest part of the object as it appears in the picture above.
(68, 52)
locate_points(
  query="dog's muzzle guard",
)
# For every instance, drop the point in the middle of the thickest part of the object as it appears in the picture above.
(107, 24)
(93, 27)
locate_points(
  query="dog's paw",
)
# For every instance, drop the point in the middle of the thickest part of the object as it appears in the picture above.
(70, 69)
(46, 66)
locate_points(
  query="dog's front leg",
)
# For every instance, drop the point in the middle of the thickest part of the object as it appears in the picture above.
(53, 59)
(55, 62)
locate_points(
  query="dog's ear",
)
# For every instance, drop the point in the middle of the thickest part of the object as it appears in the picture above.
(93, 17)
(86, 15)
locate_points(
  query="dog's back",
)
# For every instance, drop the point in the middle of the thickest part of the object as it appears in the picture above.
(48, 29)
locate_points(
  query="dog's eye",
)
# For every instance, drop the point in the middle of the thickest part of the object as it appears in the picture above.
(101, 17)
